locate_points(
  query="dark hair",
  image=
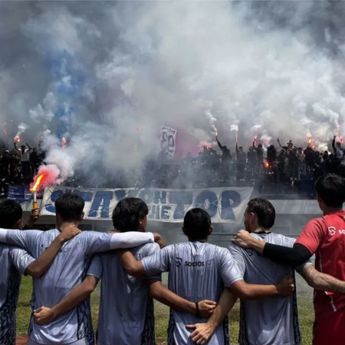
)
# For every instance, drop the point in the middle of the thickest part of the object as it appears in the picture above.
(10, 213)
(264, 211)
(128, 213)
(69, 207)
(196, 224)
(331, 189)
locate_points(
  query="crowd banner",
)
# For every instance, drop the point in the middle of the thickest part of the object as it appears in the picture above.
(168, 141)
(224, 205)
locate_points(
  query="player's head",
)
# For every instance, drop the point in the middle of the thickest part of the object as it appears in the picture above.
(10, 214)
(130, 214)
(197, 225)
(330, 189)
(259, 213)
(69, 208)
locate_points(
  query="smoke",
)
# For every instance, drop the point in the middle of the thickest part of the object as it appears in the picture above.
(108, 76)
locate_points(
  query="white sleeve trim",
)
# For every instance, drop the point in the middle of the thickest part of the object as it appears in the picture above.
(130, 239)
(3, 235)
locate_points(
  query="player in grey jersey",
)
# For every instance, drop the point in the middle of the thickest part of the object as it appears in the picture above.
(272, 320)
(198, 270)
(126, 308)
(67, 270)
(16, 261)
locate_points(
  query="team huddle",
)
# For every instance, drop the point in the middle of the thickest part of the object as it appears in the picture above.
(204, 280)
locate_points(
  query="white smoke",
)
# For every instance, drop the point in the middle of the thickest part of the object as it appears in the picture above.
(109, 75)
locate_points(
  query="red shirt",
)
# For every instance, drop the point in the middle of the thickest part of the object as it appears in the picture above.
(325, 236)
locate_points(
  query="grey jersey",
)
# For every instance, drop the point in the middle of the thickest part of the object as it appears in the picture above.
(271, 320)
(67, 270)
(196, 271)
(14, 262)
(126, 309)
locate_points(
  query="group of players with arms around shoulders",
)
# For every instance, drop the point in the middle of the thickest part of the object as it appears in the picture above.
(204, 280)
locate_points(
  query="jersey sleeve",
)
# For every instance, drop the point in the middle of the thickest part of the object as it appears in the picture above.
(21, 259)
(26, 239)
(237, 255)
(101, 242)
(96, 268)
(158, 262)
(312, 235)
(229, 269)
(148, 250)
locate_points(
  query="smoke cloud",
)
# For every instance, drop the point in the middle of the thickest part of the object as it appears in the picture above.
(107, 76)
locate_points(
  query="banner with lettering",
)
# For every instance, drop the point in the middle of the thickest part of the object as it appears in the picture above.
(168, 142)
(166, 205)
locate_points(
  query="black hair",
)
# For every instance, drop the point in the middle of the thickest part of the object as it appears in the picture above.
(128, 213)
(10, 213)
(196, 224)
(69, 206)
(331, 189)
(264, 211)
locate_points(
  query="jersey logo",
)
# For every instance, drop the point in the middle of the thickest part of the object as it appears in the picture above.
(332, 230)
(194, 263)
(178, 261)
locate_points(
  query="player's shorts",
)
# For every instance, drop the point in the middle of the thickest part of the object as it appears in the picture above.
(329, 328)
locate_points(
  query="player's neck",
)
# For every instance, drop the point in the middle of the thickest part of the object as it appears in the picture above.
(261, 230)
(329, 210)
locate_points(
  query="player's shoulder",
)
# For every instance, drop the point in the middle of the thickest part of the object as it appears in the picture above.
(85, 234)
(146, 249)
(279, 239)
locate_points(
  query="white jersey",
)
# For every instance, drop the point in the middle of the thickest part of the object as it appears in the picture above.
(270, 320)
(14, 262)
(126, 310)
(67, 271)
(196, 271)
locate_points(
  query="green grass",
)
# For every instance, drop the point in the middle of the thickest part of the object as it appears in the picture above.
(306, 314)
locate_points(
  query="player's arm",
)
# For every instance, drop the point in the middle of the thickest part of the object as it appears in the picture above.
(95, 242)
(322, 281)
(41, 265)
(45, 315)
(202, 332)
(294, 256)
(130, 264)
(132, 239)
(247, 291)
(162, 294)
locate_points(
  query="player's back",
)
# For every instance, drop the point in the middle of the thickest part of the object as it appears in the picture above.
(197, 271)
(9, 289)
(269, 320)
(67, 270)
(126, 310)
(194, 271)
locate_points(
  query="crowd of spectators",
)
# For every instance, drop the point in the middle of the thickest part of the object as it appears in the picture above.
(18, 165)
(293, 168)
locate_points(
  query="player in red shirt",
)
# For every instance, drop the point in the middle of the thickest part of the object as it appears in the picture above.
(324, 237)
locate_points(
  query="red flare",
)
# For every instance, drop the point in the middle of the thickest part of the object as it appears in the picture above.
(38, 182)
(266, 164)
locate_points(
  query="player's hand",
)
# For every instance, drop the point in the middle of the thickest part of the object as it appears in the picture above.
(44, 315)
(243, 239)
(68, 231)
(35, 213)
(159, 239)
(201, 332)
(206, 307)
(286, 286)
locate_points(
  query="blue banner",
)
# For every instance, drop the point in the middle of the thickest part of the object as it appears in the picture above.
(165, 205)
